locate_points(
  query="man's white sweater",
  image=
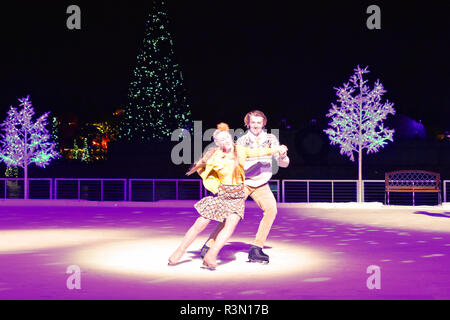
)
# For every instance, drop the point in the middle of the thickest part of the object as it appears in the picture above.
(258, 170)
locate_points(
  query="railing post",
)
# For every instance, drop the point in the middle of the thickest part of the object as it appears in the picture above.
(124, 189)
(307, 191)
(129, 189)
(332, 191)
(278, 190)
(445, 191)
(363, 189)
(153, 190)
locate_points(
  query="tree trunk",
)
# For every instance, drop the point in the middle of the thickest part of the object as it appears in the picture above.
(360, 183)
(25, 182)
(25, 166)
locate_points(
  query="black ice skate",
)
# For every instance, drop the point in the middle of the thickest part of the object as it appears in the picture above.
(204, 250)
(255, 254)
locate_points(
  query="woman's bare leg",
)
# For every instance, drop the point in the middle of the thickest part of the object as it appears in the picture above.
(213, 235)
(222, 238)
(199, 225)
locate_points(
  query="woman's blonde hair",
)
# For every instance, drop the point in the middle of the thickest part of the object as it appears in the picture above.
(220, 127)
(255, 113)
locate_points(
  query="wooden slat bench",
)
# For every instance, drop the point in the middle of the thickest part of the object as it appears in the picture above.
(412, 181)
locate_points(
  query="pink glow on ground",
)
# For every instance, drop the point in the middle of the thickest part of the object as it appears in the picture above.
(317, 252)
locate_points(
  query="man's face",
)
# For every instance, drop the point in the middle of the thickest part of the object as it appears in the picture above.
(256, 124)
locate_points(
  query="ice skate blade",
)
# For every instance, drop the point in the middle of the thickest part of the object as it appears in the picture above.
(258, 261)
(210, 268)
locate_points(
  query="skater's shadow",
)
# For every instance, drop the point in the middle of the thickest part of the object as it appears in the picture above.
(228, 252)
(434, 214)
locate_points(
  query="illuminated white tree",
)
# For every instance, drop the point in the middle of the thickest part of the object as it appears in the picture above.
(24, 141)
(357, 122)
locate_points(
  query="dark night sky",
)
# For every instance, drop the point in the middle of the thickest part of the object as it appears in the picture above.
(279, 56)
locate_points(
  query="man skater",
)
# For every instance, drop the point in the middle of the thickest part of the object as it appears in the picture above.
(258, 172)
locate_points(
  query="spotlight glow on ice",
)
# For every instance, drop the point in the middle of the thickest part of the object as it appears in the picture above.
(13, 241)
(149, 257)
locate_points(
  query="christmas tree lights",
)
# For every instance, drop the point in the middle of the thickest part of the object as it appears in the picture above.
(86, 157)
(157, 103)
(75, 150)
(12, 172)
(55, 132)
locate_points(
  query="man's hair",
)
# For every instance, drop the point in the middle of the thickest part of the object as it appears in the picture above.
(256, 113)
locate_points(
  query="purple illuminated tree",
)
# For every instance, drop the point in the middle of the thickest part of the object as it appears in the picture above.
(24, 141)
(357, 122)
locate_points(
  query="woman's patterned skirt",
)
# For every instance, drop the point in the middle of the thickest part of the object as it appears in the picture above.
(230, 199)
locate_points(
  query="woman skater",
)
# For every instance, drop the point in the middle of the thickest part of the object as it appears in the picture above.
(222, 172)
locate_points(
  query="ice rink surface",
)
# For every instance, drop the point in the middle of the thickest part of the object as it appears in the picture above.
(317, 251)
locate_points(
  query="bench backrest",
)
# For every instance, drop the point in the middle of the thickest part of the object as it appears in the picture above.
(412, 179)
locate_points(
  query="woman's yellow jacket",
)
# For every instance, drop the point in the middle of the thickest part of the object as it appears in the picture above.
(211, 178)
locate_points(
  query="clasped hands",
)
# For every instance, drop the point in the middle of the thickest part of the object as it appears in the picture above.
(282, 150)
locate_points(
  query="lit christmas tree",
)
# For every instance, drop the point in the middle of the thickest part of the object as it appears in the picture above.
(25, 141)
(86, 157)
(55, 132)
(75, 150)
(157, 102)
(357, 122)
(12, 172)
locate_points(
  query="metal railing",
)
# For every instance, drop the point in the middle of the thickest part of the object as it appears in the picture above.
(164, 189)
(330, 190)
(91, 189)
(346, 191)
(38, 188)
(192, 189)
